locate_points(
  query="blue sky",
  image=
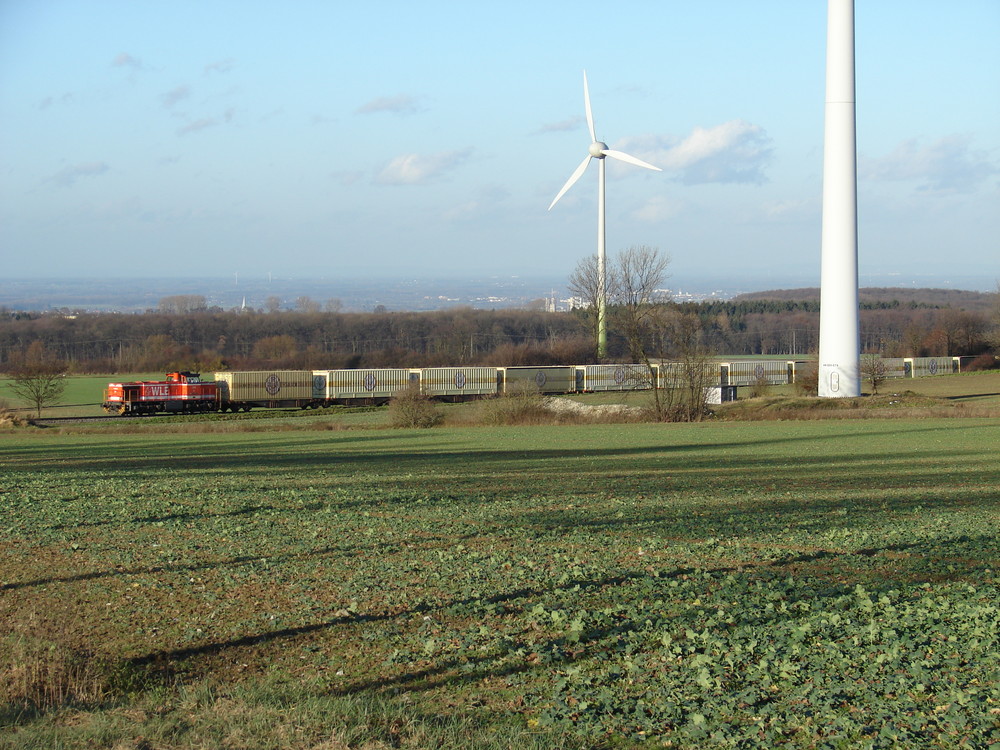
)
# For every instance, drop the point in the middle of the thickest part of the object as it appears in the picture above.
(387, 139)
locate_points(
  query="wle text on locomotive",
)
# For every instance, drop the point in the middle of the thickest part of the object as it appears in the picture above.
(186, 392)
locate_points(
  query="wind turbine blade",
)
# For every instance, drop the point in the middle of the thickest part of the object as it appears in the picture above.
(590, 114)
(572, 179)
(622, 156)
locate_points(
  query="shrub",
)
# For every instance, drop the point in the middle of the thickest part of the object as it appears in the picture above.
(807, 379)
(522, 404)
(10, 418)
(411, 408)
(760, 387)
(873, 371)
(982, 362)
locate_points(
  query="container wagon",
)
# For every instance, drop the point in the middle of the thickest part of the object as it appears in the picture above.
(594, 378)
(768, 371)
(265, 388)
(550, 379)
(458, 383)
(924, 366)
(676, 374)
(359, 386)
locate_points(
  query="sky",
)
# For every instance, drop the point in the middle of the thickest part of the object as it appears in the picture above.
(389, 139)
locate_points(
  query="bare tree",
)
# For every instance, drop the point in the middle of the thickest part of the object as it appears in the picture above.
(181, 304)
(585, 286)
(635, 277)
(38, 378)
(632, 279)
(307, 304)
(873, 370)
(686, 380)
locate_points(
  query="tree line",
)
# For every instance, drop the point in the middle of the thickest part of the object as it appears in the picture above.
(208, 340)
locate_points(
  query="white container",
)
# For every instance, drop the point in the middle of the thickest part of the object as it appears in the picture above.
(769, 371)
(458, 381)
(265, 385)
(894, 367)
(545, 379)
(675, 374)
(593, 378)
(352, 385)
(925, 366)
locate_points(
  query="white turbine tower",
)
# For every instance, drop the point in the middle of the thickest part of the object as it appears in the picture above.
(839, 332)
(598, 150)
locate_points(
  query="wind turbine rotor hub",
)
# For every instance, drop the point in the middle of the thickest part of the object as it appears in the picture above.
(597, 148)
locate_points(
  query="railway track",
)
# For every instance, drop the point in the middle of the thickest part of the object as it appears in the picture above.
(175, 417)
(62, 421)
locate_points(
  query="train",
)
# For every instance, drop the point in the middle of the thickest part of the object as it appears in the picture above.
(184, 392)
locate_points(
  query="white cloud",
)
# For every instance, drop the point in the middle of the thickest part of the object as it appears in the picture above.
(125, 60)
(792, 210)
(170, 98)
(416, 169)
(198, 125)
(657, 209)
(220, 66)
(401, 104)
(321, 120)
(733, 152)
(67, 176)
(66, 98)
(204, 123)
(482, 204)
(948, 165)
(563, 126)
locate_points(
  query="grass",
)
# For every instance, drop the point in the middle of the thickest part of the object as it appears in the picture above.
(503, 586)
(83, 395)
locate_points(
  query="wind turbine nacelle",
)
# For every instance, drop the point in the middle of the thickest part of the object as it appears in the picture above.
(597, 149)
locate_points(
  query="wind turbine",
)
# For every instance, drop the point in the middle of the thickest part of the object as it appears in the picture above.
(598, 150)
(839, 332)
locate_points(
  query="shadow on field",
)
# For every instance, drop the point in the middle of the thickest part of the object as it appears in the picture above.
(169, 517)
(237, 458)
(719, 468)
(378, 548)
(539, 654)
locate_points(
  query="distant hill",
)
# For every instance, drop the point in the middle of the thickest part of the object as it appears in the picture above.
(957, 299)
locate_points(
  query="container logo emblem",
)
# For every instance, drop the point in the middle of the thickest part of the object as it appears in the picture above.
(540, 378)
(273, 384)
(933, 367)
(370, 381)
(620, 375)
(460, 380)
(759, 371)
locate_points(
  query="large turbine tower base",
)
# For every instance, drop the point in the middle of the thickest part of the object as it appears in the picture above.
(839, 329)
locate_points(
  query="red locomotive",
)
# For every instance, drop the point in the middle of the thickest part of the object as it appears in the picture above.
(180, 392)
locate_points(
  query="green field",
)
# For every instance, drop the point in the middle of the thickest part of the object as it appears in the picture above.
(768, 584)
(83, 395)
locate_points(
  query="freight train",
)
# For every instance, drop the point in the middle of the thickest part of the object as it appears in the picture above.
(186, 392)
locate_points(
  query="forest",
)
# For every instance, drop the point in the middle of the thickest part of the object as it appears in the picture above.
(894, 323)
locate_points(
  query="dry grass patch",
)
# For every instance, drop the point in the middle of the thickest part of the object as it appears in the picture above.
(10, 419)
(41, 668)
(904, 405)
